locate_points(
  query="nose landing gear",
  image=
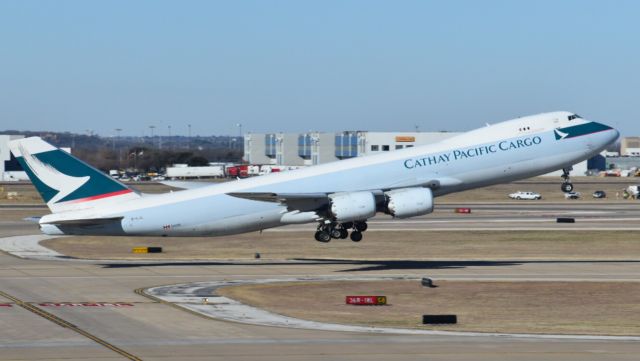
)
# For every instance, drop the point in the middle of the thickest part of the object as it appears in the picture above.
(327, 231)
(566, 186)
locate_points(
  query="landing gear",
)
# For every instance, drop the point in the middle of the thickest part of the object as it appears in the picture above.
(566, 186)
(328, 230)
(360, 226)
(322, 236)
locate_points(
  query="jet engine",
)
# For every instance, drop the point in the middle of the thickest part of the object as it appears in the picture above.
(409, 202)
(352, 206)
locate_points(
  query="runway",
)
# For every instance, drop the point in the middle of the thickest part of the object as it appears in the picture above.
(86, 294)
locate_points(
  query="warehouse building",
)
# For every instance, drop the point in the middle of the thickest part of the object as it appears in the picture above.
(630, 146)
(289, 149)
(10, 169)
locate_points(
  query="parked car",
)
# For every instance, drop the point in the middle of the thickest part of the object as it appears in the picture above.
(599, 194)
(525, 195)
(572, 195)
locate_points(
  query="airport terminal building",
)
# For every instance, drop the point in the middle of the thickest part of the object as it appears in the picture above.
(291, 149)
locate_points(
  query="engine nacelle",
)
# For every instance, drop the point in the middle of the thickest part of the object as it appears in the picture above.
(409, 202)
(352, 206)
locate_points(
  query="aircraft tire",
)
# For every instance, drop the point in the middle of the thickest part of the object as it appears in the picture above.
(361, 226)
(356, 236)
(336, 233)
(322, 236)
(567, 187)
(343, 233)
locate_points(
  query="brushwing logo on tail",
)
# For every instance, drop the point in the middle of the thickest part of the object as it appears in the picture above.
(52, 178)
(559, 134)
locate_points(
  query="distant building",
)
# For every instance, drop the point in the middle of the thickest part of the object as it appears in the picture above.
(10, 169)
(313, 148)
(624, 163)
(630, 146)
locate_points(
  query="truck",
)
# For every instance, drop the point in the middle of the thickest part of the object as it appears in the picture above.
(195, 172)
(237, 171)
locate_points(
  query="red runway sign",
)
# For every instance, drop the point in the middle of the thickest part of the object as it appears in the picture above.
(366, 300)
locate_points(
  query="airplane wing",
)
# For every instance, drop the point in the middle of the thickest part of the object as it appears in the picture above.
(304, 202)
(294, 201)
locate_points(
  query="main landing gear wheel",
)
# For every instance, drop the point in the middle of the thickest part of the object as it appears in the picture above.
(322, 236)
(566, 186)
(328, 230)
(360, 226)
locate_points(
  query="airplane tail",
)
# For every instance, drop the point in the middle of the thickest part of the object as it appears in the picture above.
(65, 182)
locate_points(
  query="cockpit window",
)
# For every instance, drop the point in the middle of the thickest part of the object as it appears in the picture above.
(574, 116)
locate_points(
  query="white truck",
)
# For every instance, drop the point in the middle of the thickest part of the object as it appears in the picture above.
(181, 172)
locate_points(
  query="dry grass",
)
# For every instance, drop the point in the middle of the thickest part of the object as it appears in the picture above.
(485, 245)
(597, 308)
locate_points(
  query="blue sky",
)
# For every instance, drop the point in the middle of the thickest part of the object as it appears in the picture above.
(324, 65)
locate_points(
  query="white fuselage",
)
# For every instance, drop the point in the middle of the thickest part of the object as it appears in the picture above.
(499, 153)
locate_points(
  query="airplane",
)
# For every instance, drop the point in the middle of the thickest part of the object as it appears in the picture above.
(340, 197)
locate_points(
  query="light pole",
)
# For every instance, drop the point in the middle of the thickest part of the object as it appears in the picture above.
(152, 127)
(118, 130)
(169, 140)
(189, 137)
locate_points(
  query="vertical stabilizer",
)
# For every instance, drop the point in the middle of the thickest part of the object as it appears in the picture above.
(64, 181)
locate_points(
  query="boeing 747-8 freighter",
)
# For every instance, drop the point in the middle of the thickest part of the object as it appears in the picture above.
(340, 196)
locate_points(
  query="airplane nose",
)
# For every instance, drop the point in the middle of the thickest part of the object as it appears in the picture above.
(612, 133)
(615, 134)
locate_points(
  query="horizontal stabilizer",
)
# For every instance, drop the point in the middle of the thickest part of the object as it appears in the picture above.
(84, 222)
